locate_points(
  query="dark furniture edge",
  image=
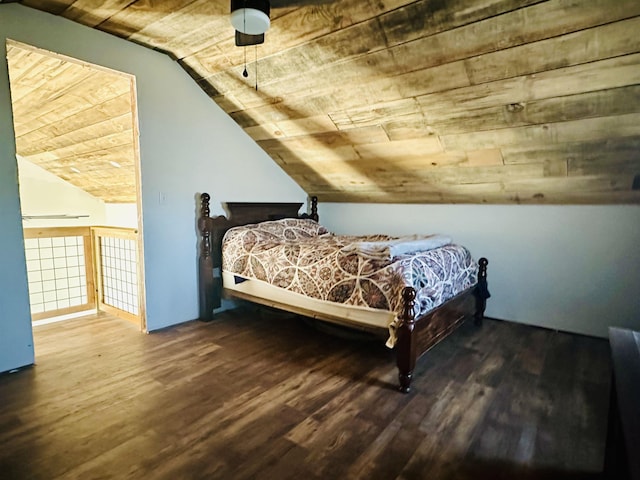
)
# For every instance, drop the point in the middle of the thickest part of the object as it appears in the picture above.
(623, 432)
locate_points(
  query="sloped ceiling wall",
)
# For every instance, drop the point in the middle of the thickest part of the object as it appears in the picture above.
(473, 101)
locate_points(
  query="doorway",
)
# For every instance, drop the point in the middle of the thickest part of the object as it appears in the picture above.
(76, 130)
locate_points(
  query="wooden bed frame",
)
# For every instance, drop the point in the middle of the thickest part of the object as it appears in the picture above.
(414, 335)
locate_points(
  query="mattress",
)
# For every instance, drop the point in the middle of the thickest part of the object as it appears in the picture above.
(352, 315)
(300, 261)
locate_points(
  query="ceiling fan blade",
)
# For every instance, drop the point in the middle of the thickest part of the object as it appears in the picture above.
(245, 40)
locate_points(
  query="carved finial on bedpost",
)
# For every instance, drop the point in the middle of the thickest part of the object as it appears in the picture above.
(204, 209)
(482, 271)
(314, 209)
(406, 352)
(204, 225)
(408, 305)
(205, 261)
(482, 291)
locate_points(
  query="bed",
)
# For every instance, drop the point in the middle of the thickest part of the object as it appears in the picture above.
(393, 287)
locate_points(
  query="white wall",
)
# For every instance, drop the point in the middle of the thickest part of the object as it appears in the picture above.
(42, 193)
(16, 343)
(187, 143)
(123, 215)
(571, 268)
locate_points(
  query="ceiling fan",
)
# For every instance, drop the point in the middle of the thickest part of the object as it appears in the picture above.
(251, 18)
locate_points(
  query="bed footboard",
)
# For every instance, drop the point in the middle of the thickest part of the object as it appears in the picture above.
(416, 336)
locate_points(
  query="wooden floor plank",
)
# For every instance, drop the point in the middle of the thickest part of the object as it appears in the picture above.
(257, 394)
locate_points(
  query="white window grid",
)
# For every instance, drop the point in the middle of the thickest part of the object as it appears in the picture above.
(56, 273)
(119, 273)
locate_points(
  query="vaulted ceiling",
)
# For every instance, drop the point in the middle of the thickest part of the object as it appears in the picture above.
(74, 120)
(432, 101)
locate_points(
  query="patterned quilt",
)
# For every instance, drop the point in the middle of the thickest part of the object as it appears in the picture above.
(301, 256)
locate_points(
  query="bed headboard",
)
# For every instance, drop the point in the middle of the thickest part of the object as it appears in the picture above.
(212, 230)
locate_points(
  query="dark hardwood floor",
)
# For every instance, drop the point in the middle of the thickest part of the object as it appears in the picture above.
(269, 397)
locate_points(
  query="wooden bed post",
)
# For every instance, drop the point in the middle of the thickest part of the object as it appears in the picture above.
(410, 342)
(314, 209)
(481, 292)
(205, 262)
(406, 352)
(212, 231)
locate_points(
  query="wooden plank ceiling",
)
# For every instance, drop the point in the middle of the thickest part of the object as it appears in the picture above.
(74, 120)
(457, 101)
